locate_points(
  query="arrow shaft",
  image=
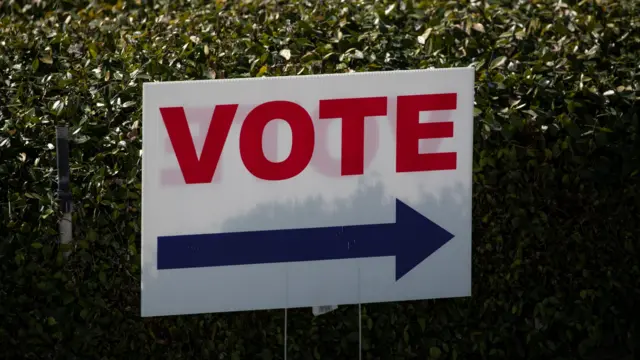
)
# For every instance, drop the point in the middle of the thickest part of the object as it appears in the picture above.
(274, 246)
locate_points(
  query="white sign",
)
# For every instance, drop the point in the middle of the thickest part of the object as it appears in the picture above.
(307, 190)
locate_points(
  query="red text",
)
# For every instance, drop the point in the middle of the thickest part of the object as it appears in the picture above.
(353, 113)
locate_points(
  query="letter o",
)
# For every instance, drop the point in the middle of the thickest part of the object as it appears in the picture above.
(302, 140)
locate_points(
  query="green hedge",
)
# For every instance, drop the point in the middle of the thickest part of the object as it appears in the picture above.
(556, 206)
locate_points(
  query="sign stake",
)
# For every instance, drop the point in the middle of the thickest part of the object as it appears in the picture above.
(359, 331)
(359, 316)
(64, 194)
(285, 333)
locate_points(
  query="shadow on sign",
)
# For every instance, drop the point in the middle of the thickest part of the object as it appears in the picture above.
(450, 208)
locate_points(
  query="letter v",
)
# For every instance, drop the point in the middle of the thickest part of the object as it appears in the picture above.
(194, 170)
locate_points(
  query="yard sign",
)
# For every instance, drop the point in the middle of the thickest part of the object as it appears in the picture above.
(306, 191)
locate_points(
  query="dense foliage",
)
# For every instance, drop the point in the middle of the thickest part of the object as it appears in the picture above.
(556, 212)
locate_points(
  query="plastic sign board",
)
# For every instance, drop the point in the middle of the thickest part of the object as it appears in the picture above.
(305, 191)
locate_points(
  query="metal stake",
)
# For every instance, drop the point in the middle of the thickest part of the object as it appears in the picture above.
(285, 333)
(359, 331)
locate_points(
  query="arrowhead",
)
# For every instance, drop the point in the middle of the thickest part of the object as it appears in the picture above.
(416, 238)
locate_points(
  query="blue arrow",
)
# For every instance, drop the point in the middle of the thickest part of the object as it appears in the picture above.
(411, 239)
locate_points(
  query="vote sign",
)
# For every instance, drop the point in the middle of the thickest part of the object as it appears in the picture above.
(306, 191)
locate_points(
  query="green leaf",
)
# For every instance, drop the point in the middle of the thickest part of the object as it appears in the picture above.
(478, 27)
(498, 62)
(285, 53)
(93, 50)
(262, 71)
(47, 213)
